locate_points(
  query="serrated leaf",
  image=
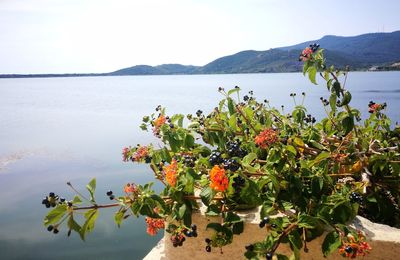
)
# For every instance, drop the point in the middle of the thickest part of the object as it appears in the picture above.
(55, 214)
(306, 221)
(207, 194)
(331, 243)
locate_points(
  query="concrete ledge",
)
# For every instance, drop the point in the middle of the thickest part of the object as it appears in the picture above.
(384, 240)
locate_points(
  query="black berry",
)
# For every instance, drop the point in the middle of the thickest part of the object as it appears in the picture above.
(109, 193)
(208, 248)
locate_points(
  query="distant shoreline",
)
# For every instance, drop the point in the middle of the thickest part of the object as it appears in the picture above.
(77, 75)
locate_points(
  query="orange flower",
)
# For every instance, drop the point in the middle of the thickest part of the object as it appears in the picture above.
(153, 225)
(140, 153)
(218, 178)
(159, 121)
(354, 248)
(130, 188)
(266, 138)
(170, 172)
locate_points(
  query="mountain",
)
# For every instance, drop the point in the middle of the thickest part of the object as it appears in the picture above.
(371, 48)
(164, 69)
(362, 52)
(359, 52)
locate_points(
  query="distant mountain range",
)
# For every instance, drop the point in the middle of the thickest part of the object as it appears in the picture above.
(362, 52)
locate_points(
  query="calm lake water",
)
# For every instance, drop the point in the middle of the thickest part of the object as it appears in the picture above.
(54, 130)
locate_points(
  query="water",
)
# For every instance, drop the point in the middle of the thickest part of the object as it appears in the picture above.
(54, 130)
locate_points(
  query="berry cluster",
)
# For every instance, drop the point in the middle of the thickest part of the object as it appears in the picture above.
(356, 198)
(215, 158)
(177, 239)
(234, 150)
(231, 164)
(264, 222)
(178, 236)
(188, 160)
(52, 200)
(310, 119)
(238, 184)
(324, 101)
(110, 194)
(199, 113)
(208, 247)
(192, 232)
(314, 47)
(51, 228)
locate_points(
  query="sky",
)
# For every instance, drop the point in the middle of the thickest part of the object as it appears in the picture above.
(84, 36)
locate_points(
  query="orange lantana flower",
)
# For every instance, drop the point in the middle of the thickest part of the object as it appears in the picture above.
(159, 121)
(266, 138)
(170, 172)
(140, 153)
(218, 178)
(153, 225)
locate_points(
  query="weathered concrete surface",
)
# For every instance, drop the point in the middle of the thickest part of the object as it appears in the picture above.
(384, 240)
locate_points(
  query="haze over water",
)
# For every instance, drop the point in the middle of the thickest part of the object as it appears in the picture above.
(54, 130)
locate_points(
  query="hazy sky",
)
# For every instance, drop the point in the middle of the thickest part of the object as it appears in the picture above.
(57, 36)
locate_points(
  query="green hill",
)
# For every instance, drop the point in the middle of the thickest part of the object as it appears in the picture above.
(358, 52)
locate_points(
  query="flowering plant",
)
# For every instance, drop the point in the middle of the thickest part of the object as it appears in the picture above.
(247, 154)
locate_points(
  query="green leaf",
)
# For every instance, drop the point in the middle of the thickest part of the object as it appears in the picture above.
(232, 218)
(291, 149)
(331, 243)
(189, 141)
(55, 214)
(231, 106)
(234, 90)
(348, 124)
(336, 88)
(281, 257)
(91, 217)
(216, 226)
(248, 159)
(332, 101)
(76, 200)
(295, 239)
(321, 157)
(312, 72)
(91, 187)
(207, 194)
(238, 228)
(118, 217)
(73, 225)
(346, 99)
(307, 221)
